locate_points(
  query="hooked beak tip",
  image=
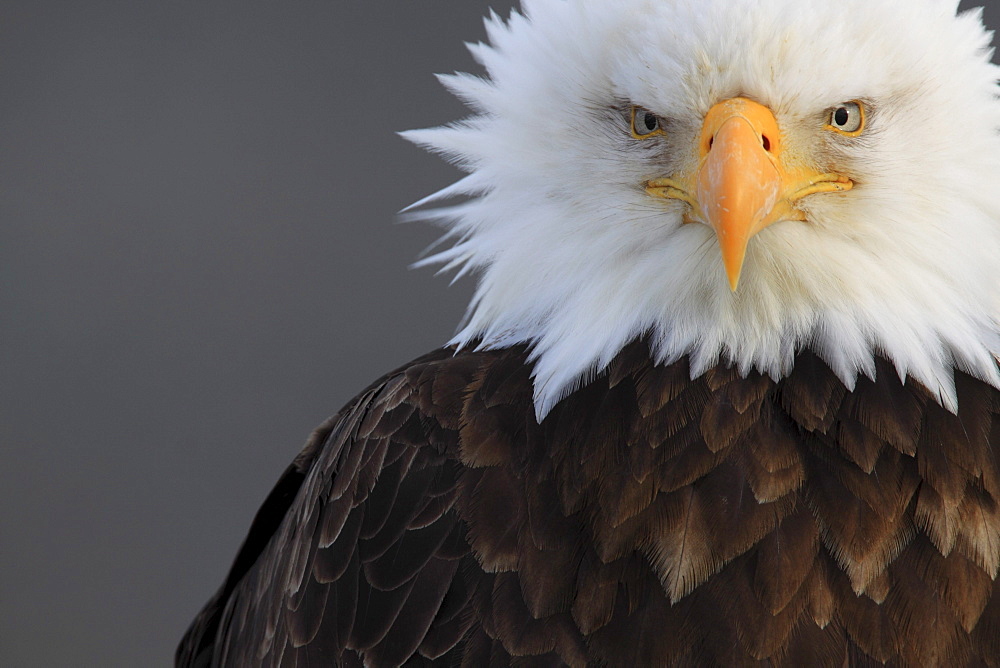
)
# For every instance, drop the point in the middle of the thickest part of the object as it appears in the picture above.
(734, 267)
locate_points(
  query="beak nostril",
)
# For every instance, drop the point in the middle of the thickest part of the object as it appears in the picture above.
(711, 140)
(766, 143)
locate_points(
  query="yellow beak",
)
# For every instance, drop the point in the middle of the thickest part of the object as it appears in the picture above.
(741, 184)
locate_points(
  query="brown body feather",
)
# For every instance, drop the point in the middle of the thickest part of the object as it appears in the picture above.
(649, 520)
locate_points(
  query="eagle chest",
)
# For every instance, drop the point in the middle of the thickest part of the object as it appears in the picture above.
(652, 519)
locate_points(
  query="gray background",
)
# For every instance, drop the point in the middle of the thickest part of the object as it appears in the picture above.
(198, 264)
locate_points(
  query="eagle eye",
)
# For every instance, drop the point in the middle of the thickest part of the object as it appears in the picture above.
(645, 123)
(847, 118)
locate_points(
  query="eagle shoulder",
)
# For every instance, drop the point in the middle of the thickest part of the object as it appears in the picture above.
(357, 547)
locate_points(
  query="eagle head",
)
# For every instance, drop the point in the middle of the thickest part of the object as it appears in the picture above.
(735, 180)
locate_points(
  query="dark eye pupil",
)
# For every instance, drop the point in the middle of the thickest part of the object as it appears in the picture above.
(841, 116)
(649, 121)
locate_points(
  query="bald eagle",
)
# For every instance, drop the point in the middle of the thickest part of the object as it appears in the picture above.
(727, 390)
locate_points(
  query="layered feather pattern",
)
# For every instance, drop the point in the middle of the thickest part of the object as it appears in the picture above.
(648, 520)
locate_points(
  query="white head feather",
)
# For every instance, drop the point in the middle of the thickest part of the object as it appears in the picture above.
(576, 259)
